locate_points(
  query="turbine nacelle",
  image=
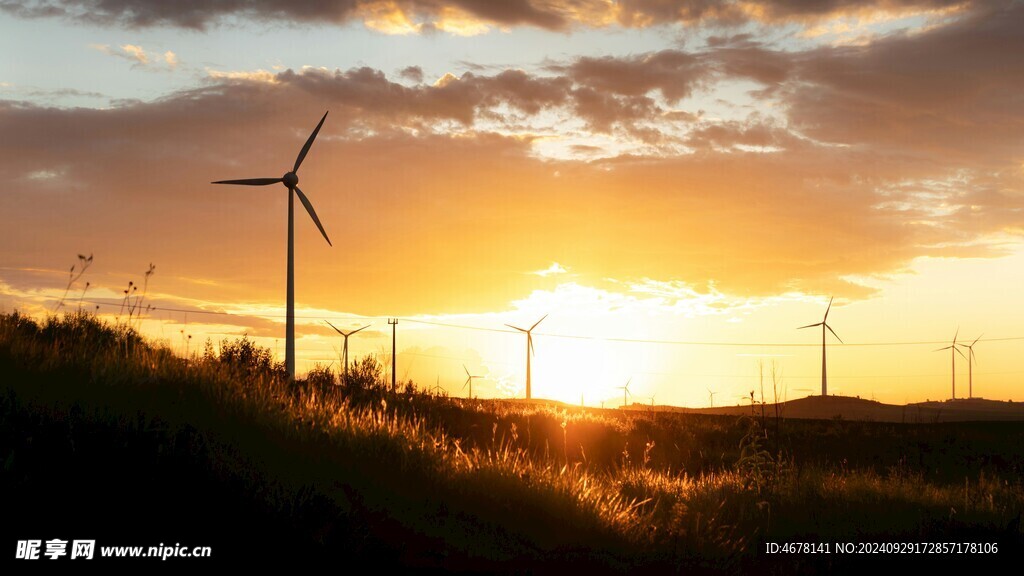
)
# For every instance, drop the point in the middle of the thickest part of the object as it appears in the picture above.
(291, 179)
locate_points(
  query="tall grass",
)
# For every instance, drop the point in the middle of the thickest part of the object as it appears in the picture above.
(475, 484)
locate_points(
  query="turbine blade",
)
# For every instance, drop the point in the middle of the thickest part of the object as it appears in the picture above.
(827, 309)
(363, 328)
(976, 339)
(466, 369)
(974, 357)
(309, 143)
(834, 333)
(810, 326)
(538, 322)
(335, 328)
(960, 353)
(957, 334)
(516, 327)
(312, 213)
(466, 384)
(250, 181)
(941, 349)
(529, 341)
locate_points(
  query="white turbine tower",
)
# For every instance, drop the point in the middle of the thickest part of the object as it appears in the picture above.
(625, 392)
(469, 381)
(972, 359)
(529, 352)
(953, 351)
(290, 181)
(344, 347)
(824, 325)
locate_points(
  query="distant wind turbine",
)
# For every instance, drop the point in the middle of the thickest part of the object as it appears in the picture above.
(469, 381)
(711, 396)
(344, 348)
(625, 392)
(290, 181)
(824, 325)
(953, 351)
(971, 361)
(529, 352)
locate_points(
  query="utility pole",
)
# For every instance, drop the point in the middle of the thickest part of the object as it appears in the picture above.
(394, 383)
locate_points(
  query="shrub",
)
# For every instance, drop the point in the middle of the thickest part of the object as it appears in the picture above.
(365, 375)
(320, 376)
(242, 355)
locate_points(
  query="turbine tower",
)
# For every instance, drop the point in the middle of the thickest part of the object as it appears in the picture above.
(529, 352)
(953, 351)
(290, 181)
(824, 325)
(625, 392)
(344, 347)
(469, 381)
(971, 361)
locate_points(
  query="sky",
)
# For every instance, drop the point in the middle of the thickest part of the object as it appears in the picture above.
(678, 184)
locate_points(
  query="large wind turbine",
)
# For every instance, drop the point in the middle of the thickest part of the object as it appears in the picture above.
(469, 381)
(824, 325)
(529, 352)
(953, 351)
(344, 347)
(625, 392)
(971, 361)
(290, 181)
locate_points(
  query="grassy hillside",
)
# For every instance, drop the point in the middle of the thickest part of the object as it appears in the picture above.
(106, 436)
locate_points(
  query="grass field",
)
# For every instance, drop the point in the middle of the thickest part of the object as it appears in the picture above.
(109, 437)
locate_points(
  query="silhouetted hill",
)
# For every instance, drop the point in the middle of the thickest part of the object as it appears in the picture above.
(852, 408)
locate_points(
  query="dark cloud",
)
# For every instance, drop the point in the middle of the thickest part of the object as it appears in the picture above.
(612, 93)
(546, 14)
(412, 73)
(951, 94)
(769, 67)
(459, 99)
(755, 133)
(672, 72)
(906, 147)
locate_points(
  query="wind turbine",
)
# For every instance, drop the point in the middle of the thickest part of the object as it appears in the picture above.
(529, 352)
(290, 181)
(711, 395)
(953, 351)
(971, 361)
(344, 348)
(824, 325)
(469, 381)
(625, 392)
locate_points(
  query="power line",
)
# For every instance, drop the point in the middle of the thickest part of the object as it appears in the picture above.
(579, 336)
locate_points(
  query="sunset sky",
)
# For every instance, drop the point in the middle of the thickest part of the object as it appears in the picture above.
(679, 184)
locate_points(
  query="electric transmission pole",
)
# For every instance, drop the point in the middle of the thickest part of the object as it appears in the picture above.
(394, 383)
